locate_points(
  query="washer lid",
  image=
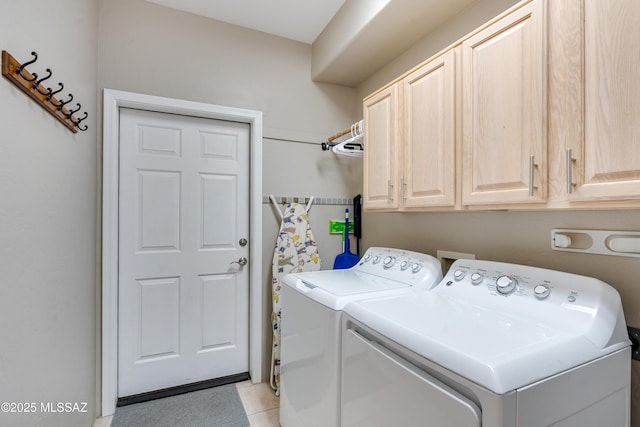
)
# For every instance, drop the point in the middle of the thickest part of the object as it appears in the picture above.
(335, 288)
(498, 351)
(502, 341)
(381, 271)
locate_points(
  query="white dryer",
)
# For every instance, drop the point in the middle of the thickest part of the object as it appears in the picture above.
(495, 345)
(312, 305)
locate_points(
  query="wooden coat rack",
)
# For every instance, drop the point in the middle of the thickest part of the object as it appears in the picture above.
(31, 85)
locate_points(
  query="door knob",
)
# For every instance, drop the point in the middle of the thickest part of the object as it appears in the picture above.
(241, 261)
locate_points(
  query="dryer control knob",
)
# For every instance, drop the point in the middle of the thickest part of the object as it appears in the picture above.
(376, 259)
(367, 258)
(477, 278)
(388, 261)
(541, 291)
(458, 275)
(506, 285)
(404, 265)
(415, 267)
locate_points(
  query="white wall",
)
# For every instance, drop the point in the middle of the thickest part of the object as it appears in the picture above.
(151, 49)
(518, 237)
(48, 218)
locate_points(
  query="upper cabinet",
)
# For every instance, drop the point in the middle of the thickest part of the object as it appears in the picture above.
(604, 164)
(428, 134)
(504, 110)
(410, 140)
(381, 117)
(537, 109)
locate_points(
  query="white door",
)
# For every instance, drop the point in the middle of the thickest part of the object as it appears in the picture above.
(184, 208)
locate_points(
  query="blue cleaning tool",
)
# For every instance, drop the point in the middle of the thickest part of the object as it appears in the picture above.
(346, 259)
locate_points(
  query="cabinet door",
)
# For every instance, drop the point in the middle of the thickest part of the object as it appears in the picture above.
(504, 110)
(606, 162)
(380, 150)
(429, 134)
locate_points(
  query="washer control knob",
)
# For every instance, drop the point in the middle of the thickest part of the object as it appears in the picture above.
(415, 267)
(404, 265)
(458, 275)
(477, 278)
(506, 285)
(367, 258)
(388, 261)
(541, 291)
(376, 259)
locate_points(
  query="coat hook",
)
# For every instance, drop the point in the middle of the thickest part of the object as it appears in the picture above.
(23, 66)
(72, 112)
(47, 93)
(36, 84)
(53, 93)
(77, 122)
(33, 78)
(63, 103)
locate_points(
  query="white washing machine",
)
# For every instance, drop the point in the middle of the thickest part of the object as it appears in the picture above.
(311, 322)
(495, 345)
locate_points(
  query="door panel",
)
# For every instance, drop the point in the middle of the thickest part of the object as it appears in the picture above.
(381, 155)
(429, 155)
(158, 324)
(184, 205)
(504, 110)
(213, 189)
(159, 219)
(607, 163)
(214, 290)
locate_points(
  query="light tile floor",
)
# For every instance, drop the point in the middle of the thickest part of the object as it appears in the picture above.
(260, 403)
(103, 422)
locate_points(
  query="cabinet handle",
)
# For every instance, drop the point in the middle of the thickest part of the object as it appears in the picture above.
(570, 161)
(389, 191)
(532, 166)
(403, 185)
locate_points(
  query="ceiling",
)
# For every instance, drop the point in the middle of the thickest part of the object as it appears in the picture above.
(350, 39)
(297, 20)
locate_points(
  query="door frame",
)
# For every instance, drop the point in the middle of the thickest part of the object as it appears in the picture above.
(113, 101)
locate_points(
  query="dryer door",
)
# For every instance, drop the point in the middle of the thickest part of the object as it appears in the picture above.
(379, 389)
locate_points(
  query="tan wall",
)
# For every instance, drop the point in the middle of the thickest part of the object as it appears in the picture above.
(48, 218)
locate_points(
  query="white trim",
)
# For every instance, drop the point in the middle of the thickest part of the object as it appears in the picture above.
(113, 101)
